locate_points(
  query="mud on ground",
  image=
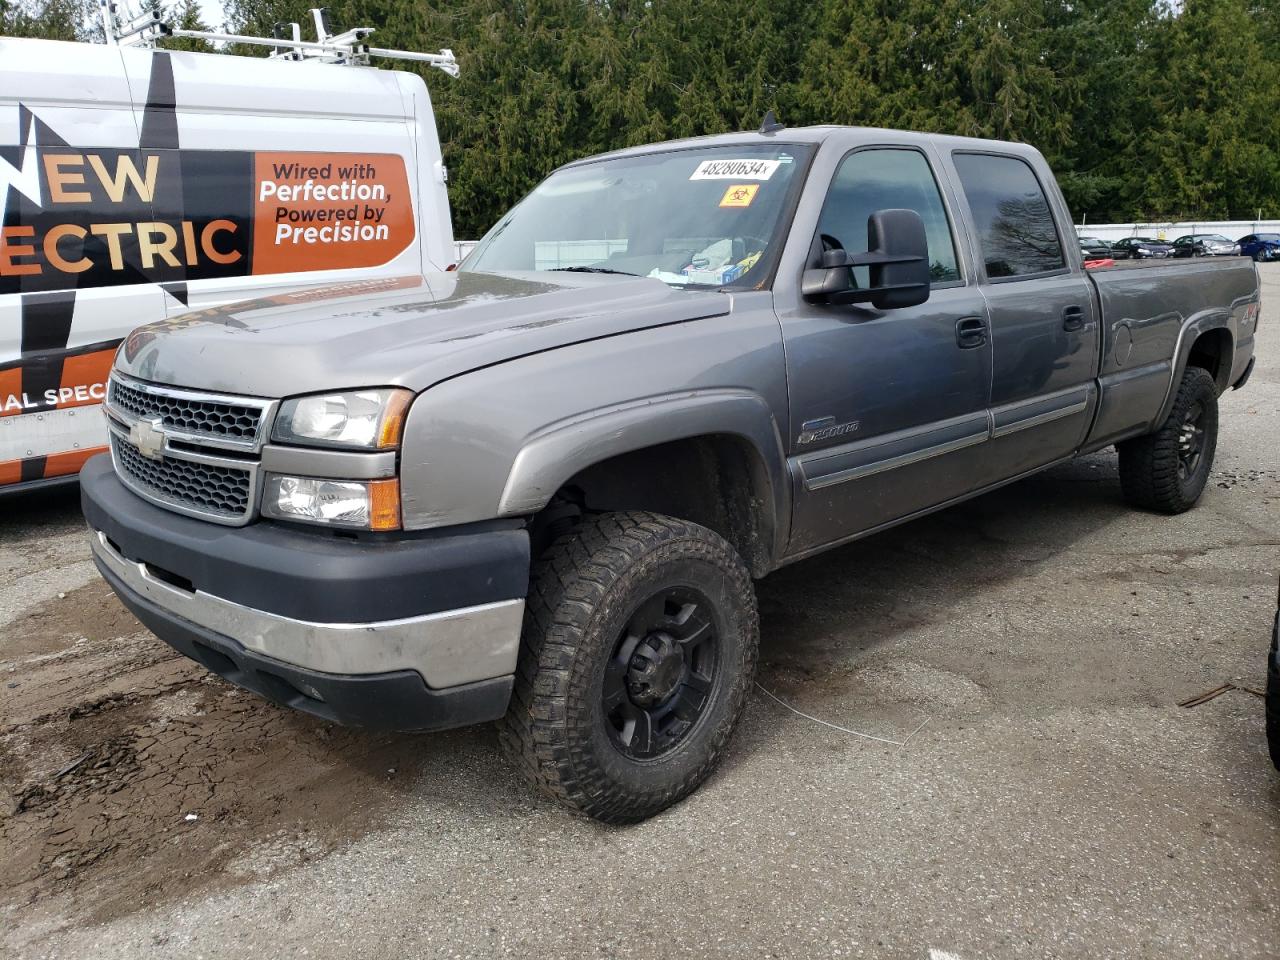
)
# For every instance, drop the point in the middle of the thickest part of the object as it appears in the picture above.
(117, 752)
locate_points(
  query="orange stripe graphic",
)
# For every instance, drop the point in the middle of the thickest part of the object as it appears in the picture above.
(65, 464)
(84, 379)
(55, 465)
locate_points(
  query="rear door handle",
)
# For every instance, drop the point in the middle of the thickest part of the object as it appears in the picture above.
(1073, 318)
(971, 332)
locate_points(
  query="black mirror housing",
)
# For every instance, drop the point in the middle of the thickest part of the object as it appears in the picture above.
(898, 258)
(902, 280)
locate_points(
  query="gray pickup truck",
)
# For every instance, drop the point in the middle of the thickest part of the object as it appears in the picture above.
(538, 489)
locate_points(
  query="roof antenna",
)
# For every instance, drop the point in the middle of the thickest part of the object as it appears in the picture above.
(771, 124)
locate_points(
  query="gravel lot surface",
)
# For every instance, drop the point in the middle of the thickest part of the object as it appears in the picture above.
(1057, 802)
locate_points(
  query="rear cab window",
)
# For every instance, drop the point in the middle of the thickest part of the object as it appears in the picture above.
(1017, 234)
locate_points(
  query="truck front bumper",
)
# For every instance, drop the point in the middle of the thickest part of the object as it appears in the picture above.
(413, 633)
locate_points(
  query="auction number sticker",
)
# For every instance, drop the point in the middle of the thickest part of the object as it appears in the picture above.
(735, 170)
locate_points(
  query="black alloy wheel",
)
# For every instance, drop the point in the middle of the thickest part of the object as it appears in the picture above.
(1191, 441)
(660, 678)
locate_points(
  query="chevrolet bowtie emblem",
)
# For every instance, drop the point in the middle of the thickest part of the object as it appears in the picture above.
(148, 437)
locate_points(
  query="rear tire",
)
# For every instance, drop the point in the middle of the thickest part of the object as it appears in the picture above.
(638, 654)
(1167, 470)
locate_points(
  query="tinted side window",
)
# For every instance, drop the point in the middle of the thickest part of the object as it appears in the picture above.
(1011, 214)
(872, 180)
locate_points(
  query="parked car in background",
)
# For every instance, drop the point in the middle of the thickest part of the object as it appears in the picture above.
(1140, 248)
(1260, 246)
(1095, 249)
(1204, 245)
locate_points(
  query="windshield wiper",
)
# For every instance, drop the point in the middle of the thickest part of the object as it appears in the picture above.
(623, 273)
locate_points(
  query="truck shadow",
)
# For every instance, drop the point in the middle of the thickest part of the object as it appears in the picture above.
(30, 513)
(845, 603)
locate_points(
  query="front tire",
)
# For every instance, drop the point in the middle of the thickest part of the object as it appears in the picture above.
(1167, 470)
(640, 644)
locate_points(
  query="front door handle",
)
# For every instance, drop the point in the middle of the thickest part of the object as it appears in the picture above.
(1073, 318)
(971, 332)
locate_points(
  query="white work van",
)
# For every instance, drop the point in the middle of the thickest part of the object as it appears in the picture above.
(138, 184)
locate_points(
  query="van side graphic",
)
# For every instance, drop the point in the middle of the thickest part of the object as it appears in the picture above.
(104, 216)
(156, 182)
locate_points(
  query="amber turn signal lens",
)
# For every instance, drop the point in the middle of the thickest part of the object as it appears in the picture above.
(393, 416)
(384, 505)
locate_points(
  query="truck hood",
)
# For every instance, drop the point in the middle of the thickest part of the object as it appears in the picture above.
(409, 331)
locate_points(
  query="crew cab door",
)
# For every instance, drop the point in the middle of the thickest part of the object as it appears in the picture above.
(1044, 332)
(887, 407)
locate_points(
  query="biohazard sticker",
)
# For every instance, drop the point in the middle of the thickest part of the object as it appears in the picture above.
(735, 170)
(740, 195)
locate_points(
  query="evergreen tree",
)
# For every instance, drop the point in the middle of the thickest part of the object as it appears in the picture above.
(186, 15)
(1212, 147)
(49, 19)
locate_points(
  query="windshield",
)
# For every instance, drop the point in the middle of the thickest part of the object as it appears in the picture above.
(711, 216)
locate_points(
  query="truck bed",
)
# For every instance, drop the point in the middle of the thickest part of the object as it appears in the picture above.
(1147, 309)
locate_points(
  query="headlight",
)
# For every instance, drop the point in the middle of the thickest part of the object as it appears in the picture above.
(362, 419)
(364, 505)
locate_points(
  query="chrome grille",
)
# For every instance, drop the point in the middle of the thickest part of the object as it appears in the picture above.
(188, 451)
(199, 416)
(223, 491)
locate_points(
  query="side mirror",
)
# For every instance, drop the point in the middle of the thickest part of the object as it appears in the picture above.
(898, 258)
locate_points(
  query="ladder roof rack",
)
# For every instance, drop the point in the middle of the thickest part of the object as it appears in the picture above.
(349, 47)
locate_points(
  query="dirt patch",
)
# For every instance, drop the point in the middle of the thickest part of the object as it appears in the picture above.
(89, 613)
(1226, 479)
(115, 751)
